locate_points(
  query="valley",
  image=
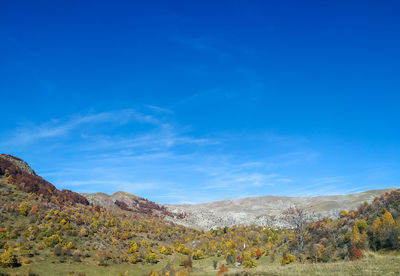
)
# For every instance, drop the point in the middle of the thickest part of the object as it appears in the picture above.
(45, 231)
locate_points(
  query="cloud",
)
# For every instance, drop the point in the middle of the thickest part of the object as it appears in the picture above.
(30, 133)
(152, 155)
(127, 186)
(231, 180)
(158, 109)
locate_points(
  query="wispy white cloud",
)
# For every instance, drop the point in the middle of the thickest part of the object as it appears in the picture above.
(127, 186)
(158, 109)
(56, 128)
(238, 180)
(149, 153)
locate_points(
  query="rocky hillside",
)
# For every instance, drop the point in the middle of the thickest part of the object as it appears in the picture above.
(17, 172)
(130, 202)
(265, 210)
(19, 163)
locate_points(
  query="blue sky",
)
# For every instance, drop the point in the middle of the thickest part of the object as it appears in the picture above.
(194, 101)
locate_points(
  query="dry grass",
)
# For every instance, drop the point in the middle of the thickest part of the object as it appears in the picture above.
(372, 264)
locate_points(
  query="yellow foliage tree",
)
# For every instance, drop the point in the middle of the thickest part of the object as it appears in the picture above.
(287, 259)
(387, 220)
(355, 238)
(133, 247)
(248, 262)
(24, 208)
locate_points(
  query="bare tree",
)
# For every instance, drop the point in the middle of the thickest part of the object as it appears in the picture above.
(297, 218)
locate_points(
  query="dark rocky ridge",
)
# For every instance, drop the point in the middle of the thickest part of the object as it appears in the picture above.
(25, 179)
(19, 163)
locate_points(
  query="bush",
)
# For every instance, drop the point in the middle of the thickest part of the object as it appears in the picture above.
(248, 262)
(287, 259)
(198, 255)
(187, 263)
(52, 240)
(102, 257)
(215, 264)
(258, 253)
(134, 258)
(151, 258)
(58, 250)
(355, 253)
(76, 256)
(223, 269)
(24, 208)
(362, 225)
(84, 232)
(62, 259)
(8, 259)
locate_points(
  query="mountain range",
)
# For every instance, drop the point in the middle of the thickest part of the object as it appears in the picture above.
(259, 210)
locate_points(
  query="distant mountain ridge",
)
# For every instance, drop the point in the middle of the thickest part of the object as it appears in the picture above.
(266, 210)
(260, 210)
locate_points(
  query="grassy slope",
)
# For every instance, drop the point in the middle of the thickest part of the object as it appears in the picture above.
(375, 264)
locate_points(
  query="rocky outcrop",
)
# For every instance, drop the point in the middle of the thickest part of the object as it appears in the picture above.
(19, 163)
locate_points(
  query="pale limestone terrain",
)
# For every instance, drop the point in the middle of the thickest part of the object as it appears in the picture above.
(266, 210)
(262, 210)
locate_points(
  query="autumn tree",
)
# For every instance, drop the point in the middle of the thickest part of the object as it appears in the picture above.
(297, 218)
(248, 262)
(151, 258)
(287, 259)
(385, 234)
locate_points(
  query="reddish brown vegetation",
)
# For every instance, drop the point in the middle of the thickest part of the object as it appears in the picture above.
(147, 207)
(357, 253)
(35, 184)
(122, 205)
(222, 270)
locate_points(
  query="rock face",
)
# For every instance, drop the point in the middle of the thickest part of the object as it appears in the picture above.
(19, 163)
(265, 210)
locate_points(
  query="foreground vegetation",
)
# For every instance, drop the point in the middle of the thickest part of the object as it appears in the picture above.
(371, 264)
(44, 231)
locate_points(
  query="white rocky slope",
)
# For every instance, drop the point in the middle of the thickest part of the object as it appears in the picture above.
(264, 210)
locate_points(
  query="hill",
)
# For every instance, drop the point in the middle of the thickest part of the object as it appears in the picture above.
(261, 211)
(265, 210)
(125, 201)
(45, 231)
